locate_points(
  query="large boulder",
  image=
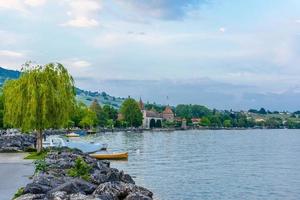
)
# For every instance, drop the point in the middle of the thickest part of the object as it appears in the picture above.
(74, 186)
(121, 190)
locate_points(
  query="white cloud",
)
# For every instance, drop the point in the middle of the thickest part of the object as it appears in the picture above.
(35, 3)
(78, 67)
(83, 13)
(80, 64)
(81, 22)
(20, 5)
(222, 29)
(11, 54)
(12, 5)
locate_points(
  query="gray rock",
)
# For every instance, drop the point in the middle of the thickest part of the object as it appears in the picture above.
(106, 183)
(80, 196)
(59, 195)
(15, 143)
(74, 186)
(120, 190)
(137, 196)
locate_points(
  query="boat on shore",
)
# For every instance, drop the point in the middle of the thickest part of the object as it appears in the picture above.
(110, 156)
(72, 134)
(54, 141)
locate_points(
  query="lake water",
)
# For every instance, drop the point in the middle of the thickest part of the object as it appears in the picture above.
(212, 164)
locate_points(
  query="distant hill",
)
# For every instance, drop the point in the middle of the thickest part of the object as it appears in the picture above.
(8, 74)
(82, 95)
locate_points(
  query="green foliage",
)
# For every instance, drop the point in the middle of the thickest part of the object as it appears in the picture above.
(89, 119)
(110, 123)
(37, 155)
(191, 111)
(168, 124)
(40, 166)
(131, 113)
(78, 114)
(19, 193)
(81, 169)
(158, 108)
(274, 122)
(227, 123)
(43, 97)
(205, 122)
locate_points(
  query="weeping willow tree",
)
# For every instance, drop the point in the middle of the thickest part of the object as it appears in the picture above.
(42, 98)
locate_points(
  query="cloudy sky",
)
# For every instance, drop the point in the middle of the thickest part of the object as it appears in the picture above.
(223, 54)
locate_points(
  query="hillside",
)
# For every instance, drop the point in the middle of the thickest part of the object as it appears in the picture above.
(82, 95)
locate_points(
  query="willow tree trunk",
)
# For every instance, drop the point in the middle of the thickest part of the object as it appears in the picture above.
(39, 141)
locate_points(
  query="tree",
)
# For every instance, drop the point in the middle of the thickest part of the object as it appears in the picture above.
(43, 97)
(110, 112)
(96, 108)
(1, 110)
(262, 111)
(79, 113)
(131, 113)
(227, 123)
(89, 119)
(205, 122)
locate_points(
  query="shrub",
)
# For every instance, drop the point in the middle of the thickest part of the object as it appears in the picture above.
(40, 166)
(81, 169)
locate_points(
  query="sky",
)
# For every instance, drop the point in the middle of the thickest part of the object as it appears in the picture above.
(220, 53)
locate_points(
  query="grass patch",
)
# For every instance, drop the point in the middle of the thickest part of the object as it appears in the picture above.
(37, 156)
(19, 193)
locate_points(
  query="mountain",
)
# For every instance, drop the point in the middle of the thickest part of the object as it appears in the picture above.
(8, 74)
(82, 95)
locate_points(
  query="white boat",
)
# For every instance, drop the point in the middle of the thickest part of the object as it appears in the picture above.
(54, 141)
(72, 135)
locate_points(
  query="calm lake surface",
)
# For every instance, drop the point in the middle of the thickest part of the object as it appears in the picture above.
(212, 164)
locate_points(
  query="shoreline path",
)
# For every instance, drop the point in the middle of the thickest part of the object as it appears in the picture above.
(14, 173)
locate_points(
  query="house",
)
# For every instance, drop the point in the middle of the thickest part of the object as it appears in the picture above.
(168, 114)
(151, 118)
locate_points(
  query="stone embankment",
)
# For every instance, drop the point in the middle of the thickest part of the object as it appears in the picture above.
(102, 183)
(16, 142)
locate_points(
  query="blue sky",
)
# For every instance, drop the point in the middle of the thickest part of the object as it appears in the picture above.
(223, 54)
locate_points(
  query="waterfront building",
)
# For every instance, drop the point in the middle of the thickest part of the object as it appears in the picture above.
(151, 118)
(168, 114)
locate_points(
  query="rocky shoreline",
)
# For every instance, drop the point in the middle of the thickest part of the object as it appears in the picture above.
(102, 182)
(16, 143)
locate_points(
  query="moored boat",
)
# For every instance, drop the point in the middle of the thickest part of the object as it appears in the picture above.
(110, 156)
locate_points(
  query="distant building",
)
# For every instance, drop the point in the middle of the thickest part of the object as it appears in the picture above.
(151, 118)
(196, 121)
(168, 114)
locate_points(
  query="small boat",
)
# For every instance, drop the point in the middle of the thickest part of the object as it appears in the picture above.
(72, 134)
(110, 156)
(53, 141)
(91, 132)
